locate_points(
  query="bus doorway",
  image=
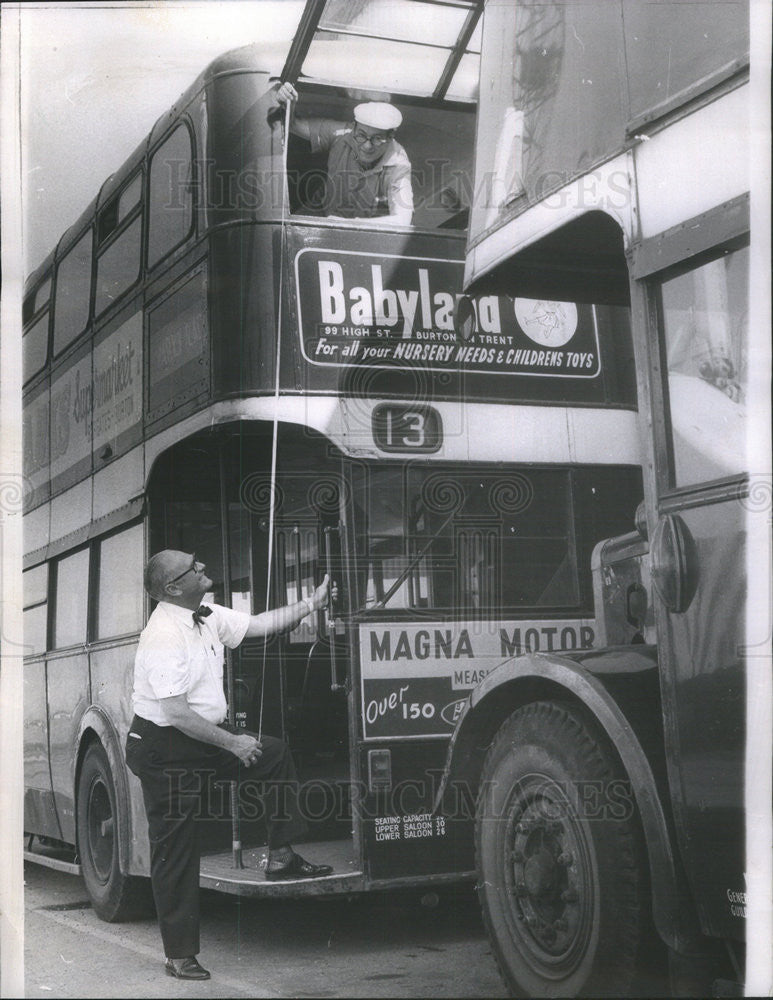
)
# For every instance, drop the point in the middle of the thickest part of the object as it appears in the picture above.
(214, 495)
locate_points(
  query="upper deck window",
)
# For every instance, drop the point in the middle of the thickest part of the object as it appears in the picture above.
(73, 289)
(119, 208)
(401, 46)
(35, 302)
(118, 266)
(170, 196)
(674, 51)
(35, 348)
(380, 51)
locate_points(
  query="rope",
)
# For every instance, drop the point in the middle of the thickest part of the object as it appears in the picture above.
(275, 427)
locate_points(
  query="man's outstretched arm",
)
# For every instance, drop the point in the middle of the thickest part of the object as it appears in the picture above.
(280, 619)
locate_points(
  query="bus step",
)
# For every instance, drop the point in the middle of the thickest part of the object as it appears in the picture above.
(53, 861)
(217, 872)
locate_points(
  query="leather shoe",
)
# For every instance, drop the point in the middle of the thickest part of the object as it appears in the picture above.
(297, 867)
(185, 968)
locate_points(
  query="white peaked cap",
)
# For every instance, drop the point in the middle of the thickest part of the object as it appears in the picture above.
(376, 114)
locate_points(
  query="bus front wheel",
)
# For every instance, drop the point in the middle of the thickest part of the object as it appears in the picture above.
(560, 870)
(114, 896)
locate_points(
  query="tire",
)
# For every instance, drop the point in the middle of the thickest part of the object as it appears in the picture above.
(560, 872)
(114, 896)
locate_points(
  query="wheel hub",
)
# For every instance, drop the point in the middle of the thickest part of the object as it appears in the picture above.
(539, 873)
(100, 830)
(546, 884)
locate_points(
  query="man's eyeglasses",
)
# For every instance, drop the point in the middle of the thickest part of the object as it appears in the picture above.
(375, 140)
(190, 569)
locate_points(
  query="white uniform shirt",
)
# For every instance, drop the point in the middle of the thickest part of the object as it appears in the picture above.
(176, 656)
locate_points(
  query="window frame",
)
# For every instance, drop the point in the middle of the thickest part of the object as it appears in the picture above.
(480, 524)
(53, 582)
(58, 352)
(96, 577)
(44, 603)
(45, 314)
(667, 478)
(181, 122)
(30, 305)
(659, 258)
(103, 245)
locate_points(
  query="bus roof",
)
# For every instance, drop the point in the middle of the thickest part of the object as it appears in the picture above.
(253, 58)
(372, 49)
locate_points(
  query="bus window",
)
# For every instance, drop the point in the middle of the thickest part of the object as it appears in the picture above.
(119, 208)
(120, 570)
(35, 614)
(34, 348)
(705, 330)
(706, 45)
(118, 266)
(298, 554)
(378, 50)
(446, 539)
(170, 195)
(35, 302)
(437, 142)
(71, 605)
(73, 287)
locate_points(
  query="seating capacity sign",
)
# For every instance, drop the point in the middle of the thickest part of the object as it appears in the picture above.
(362, 309)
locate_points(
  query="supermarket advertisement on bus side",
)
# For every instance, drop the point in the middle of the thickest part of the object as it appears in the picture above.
(379, 311)
(416, 676)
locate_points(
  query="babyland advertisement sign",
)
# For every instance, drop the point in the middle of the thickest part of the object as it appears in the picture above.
(416, 677)
(360, 309)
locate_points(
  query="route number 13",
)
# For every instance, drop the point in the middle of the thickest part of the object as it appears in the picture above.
(406, 428)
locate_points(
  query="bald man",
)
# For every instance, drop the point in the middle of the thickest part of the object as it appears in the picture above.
(178, 741)
(368, 171)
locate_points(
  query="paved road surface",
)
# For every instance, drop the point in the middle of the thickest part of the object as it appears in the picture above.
(384, 945)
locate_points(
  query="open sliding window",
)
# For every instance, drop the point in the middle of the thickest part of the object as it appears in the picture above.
(119, 239)
(422, 58)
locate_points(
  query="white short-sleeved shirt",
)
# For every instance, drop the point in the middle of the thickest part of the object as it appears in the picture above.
(176, 656)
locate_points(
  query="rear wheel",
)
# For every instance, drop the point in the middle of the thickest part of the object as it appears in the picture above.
(114, 896)
(560, 873)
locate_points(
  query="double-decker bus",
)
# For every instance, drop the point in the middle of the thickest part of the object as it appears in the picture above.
(611, 783)
(213, 365)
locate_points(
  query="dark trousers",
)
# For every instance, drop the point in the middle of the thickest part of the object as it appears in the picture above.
(174, 770)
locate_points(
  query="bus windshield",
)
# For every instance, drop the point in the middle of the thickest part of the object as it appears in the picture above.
(451, 539)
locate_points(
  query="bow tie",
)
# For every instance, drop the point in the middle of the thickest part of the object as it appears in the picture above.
(201, 613)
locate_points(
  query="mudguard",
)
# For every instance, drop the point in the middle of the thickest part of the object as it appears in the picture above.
(97, 722)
